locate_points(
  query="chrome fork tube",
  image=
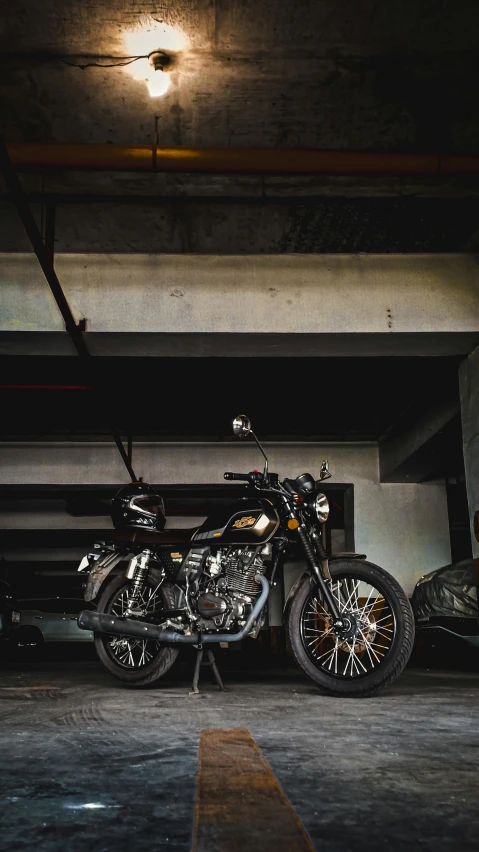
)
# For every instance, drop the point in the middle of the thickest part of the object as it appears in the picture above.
(318, 576)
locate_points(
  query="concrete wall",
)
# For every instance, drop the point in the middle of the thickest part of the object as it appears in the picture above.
(401, 527)
(303, 294)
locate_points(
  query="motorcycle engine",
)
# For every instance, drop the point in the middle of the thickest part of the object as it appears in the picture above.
(229, 588)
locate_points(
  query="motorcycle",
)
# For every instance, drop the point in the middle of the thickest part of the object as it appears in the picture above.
(350, 624)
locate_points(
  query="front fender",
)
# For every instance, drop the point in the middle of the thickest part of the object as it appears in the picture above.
(296, 585)
(100, 571)
(294, 588)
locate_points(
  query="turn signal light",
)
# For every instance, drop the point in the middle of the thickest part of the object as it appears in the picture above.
(293, 524)
(297, 499)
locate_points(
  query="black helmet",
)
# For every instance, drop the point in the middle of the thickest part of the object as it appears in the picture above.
(138, 506)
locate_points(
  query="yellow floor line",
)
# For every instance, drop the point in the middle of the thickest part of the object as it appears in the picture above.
(240, 805)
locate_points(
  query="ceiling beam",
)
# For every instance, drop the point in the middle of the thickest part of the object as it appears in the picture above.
(408, 451)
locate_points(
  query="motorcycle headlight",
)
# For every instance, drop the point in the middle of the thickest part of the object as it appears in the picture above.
(321, 507)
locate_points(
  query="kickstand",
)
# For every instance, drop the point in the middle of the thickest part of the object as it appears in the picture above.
(214, 667)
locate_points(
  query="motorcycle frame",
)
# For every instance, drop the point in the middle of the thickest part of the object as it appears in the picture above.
(288, 512)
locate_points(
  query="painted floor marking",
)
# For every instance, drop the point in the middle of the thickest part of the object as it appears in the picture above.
(240, 804)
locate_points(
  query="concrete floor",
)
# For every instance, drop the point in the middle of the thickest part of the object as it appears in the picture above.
(86, 763)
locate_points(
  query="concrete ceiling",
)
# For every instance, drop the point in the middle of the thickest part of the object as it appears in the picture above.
(395, 76)
(257, 226)
(401, 75)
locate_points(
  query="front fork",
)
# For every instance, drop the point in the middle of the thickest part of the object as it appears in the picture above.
(317, 569)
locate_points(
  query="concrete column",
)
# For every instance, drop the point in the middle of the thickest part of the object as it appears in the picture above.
(469, 391)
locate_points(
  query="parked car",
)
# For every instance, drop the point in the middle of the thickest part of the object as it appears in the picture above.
(51, 620)
(9, 614)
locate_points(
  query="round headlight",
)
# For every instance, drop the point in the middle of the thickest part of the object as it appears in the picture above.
(321, 506)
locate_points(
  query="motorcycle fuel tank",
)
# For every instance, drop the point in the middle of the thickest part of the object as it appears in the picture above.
(255, 521)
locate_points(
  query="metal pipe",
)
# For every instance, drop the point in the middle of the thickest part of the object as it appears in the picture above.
(103, 622)
(45, 258)
(18, 196)
(126, 461)
(45, 387)
(45, 155)
(50, 232)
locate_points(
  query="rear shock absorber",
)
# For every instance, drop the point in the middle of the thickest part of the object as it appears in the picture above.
(137, 571)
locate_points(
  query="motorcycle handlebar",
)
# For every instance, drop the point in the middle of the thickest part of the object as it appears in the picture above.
(245, 477)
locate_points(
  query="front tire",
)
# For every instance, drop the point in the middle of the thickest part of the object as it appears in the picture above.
(375, 653)
(137, 662)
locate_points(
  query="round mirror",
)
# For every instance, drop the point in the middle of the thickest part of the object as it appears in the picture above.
(241, 426)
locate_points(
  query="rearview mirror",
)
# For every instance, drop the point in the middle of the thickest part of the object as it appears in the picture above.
(241, 426)
(325, 473)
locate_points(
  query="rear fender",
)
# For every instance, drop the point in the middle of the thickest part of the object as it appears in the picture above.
(307, 573)
(100, 571)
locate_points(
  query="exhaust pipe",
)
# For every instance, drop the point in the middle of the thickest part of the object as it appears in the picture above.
(103, 622)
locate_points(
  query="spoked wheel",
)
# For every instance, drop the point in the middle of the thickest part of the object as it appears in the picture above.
(126, 651)
(135, 661)
(376, 637)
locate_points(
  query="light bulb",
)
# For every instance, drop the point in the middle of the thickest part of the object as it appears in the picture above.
(149, 38)
(158, 83)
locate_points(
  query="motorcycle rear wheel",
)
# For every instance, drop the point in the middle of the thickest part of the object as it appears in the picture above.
(356, 666)
(137, 662)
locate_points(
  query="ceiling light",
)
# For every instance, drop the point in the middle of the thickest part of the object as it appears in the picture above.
(156, 44)
(158, 81)
(158, 84)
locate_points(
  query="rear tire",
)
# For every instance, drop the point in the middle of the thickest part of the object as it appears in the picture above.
(164, 655)
(396, 654)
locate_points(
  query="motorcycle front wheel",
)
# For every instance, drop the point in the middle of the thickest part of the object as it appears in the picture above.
(377, 636)
(138, 662)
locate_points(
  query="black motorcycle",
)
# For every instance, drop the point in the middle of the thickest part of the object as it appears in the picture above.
(349, 622)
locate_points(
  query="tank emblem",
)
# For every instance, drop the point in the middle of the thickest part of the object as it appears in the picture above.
(244, 522)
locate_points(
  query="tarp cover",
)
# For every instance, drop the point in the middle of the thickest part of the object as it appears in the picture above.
(451, 591)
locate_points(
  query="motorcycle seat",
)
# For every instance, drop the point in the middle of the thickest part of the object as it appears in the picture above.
(154, 537)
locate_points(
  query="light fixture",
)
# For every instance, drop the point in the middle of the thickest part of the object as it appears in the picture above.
(156, 45)
(158, 81)
(153, 49)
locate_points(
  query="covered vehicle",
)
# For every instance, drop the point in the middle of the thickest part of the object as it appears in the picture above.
(447, 599)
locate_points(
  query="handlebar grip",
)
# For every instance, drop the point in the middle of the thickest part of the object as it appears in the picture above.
(243, 476)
